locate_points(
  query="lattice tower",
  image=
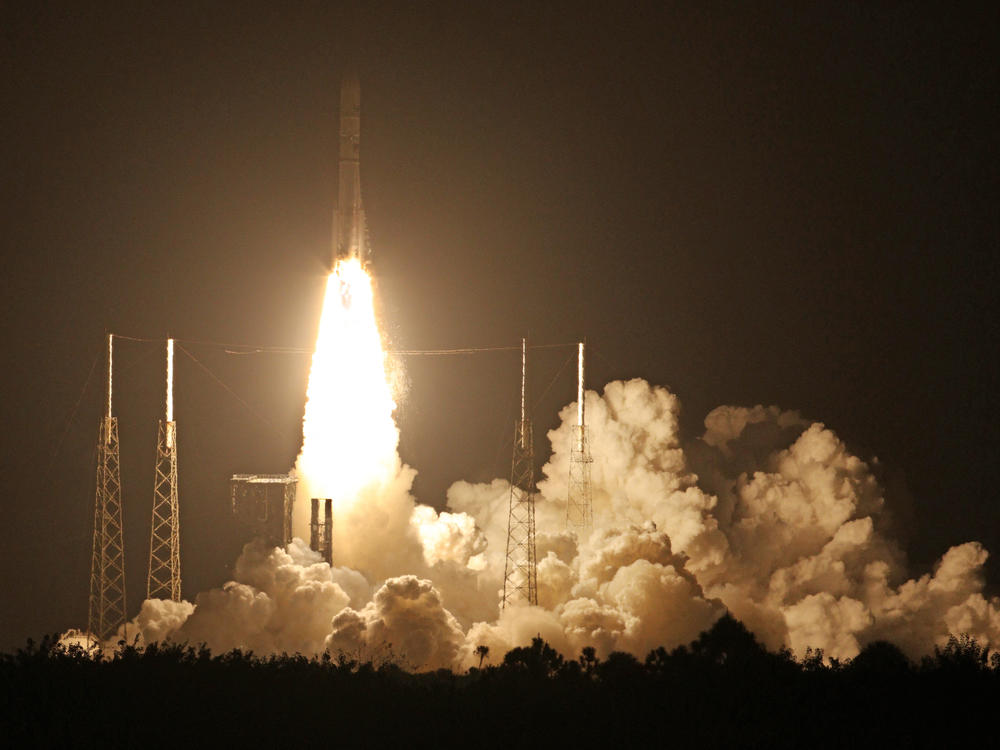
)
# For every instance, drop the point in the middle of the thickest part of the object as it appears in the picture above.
(106, 611)
(579, 500)
(164, 580)
(520, 583)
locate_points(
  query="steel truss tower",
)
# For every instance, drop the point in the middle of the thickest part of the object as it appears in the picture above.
(579, 500)
(164, 581)
(520, 584)
(107, 565)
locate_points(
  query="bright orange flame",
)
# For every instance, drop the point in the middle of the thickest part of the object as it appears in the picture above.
(349, 436)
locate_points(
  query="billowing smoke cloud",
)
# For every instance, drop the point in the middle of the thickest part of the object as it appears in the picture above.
(406, 614)
(766, 515)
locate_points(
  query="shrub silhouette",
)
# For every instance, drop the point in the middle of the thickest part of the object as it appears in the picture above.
(881, 658)
(962, 653)
(538, 660)
(722, 690)
(728, 641)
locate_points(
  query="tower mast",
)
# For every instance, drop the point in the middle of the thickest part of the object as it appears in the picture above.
(520, 583)
(579, 501)
(164, 580)
(107, 565)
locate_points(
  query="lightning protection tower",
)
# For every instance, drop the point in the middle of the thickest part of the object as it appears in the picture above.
(579, 501)
(164, 581)
(520, 582)
(107, 565)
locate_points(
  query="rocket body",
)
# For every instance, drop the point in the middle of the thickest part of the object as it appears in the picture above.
(350, 228)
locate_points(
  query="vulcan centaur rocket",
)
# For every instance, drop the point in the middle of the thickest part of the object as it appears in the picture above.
(350, 229)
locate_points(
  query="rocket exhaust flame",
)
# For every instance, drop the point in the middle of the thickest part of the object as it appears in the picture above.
(349, 436)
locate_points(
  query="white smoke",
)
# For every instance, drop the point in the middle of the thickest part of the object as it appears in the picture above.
(766, 515)
(406, 616)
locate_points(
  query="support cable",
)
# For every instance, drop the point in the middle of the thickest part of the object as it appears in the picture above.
(234, 394)
(552, 382)
(72, 414)
(241, 349)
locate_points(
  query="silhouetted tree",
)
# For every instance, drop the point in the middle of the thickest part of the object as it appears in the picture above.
(539, 659)
(881, 657)
(588, 660)
(813, 660)
(961, 653)
(723, 690)
(620, 668)
(727, 640)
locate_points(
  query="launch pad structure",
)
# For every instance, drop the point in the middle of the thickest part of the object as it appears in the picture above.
(579, 498)
(107, 609)
(164, 578)
(520, 578)
(263, 503)
(321, 532)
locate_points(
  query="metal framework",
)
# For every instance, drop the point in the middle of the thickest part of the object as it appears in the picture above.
(520, 584)
(579, 500)
(164, 580)
(321, 532)
(106, 611)
(263, 503)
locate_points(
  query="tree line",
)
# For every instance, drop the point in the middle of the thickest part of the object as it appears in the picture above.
(722, 690)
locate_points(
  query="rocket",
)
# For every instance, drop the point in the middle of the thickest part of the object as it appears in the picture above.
(350, 228)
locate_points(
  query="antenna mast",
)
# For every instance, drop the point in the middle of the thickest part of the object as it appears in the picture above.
(164, 581)
(520, 582)
(106, 611)
(579, 501)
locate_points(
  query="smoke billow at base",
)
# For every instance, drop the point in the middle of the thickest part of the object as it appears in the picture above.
(766, 515)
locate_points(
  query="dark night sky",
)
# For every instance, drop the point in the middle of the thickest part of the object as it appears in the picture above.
(746, 204)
